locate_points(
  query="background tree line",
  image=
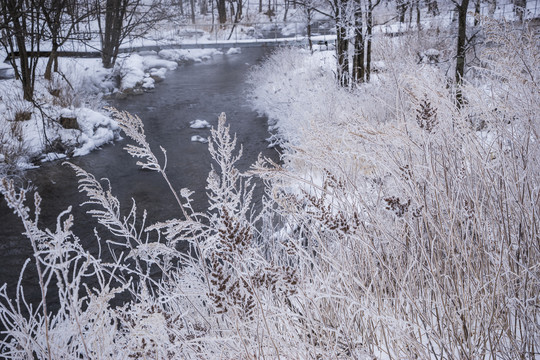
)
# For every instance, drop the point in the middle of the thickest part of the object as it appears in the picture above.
(33, 28)
(25, 25)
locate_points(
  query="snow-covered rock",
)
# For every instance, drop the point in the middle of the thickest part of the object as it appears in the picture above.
(233, 51)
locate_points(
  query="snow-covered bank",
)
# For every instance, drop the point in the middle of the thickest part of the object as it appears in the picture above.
(68, 118)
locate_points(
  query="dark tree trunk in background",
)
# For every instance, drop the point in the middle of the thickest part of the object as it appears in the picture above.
(402, 6)
(359, 53)
(433, 7)
(114, 19)
(222, 11)
(369, 30)
(21, 28)
(181, 6)
(27, 71)
(418, 20)
(492, 7)
(476, 12)
(124, 18)
(53, 13)
(204, 7)
(461, 49)
(363, 41)
(53, 60)
(342, 44)
(309, 12)
(192, 8)
(342, 55)
(519, 8)
(239, 10)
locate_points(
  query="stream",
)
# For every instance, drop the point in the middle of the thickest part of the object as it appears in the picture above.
(193, 91)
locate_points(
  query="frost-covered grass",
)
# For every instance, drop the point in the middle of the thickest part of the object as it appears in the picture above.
(398, 226)
(418, 214)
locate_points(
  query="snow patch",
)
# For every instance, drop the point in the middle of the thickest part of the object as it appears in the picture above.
(97, 130)
(199, 124)
(197, 138)
(52, 156)
(188, 55)
(131, 71)
(233, 51)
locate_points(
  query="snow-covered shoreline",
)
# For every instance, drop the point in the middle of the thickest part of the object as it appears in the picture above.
(68, 117)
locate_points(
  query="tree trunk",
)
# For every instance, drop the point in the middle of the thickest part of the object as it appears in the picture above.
(359, 53)
(369, 40)
(222, 11)
(204, 7)
(309, 13)
(477, 13)
(342, 49)
(519, 8)
(53, 60)
(114, 19)
(492, 7)
(25, 72)
(192, 8)
(433, 7)
(402, 10)
(461, 49)
(418, 20)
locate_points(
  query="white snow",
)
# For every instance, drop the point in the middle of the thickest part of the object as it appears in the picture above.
(131, 71)
(233, 51)
(199, 124)
(188, 55)
(97, 130)
(197, 138)
(52, 156)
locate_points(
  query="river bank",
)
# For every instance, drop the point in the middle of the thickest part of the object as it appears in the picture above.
(67, 118)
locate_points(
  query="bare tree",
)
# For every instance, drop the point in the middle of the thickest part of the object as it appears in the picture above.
(340, 8)
(461, 7)
(21, 33)
(222, 11)
(359, 50)
(118, 19)
(62, 19)
(433, 7)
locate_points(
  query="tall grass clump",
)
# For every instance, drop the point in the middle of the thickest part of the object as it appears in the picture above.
(398, 226)
(419, 232)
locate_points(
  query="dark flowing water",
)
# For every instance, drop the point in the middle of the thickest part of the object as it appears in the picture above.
(194, 91)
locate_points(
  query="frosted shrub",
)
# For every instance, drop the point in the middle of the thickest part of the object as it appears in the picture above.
(417, 234)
